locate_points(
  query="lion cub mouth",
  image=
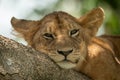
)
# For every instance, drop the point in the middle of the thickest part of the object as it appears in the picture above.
(66, 64)
(66, 61)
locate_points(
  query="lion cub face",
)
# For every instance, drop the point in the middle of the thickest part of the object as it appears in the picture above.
(62, 37)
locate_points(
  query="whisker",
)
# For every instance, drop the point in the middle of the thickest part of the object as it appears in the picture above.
(81, 57)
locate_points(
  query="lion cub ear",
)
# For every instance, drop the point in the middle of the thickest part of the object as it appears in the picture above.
(92, 21)
(26, 28)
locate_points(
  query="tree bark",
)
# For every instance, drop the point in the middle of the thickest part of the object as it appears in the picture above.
(19, 62)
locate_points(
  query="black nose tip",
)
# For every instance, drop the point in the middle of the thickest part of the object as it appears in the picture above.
(65, 53)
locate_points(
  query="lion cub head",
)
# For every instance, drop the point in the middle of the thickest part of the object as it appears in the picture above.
(61, 36)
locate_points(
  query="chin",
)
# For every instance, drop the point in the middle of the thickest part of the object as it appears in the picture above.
(66, 64)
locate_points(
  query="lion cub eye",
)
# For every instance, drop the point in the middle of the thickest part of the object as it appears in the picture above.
(74, 32)
(48, 36)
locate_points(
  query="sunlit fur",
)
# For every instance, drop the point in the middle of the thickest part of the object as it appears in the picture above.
(97, 57)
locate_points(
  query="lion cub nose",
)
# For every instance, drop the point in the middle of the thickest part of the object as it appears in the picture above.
(64, 53)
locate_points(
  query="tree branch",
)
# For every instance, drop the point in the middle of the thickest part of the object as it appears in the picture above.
(19, 62)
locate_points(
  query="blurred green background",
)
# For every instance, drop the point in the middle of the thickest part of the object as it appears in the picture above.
(37, 9)
(80, 7)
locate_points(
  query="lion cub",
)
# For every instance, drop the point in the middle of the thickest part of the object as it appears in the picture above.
(72, 43)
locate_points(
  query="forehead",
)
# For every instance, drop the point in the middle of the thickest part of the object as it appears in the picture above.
(59, 20)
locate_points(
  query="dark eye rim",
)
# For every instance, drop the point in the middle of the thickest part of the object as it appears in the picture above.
(74, 31)
(48, 36)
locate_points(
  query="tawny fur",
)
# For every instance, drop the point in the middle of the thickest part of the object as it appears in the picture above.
(97, 57)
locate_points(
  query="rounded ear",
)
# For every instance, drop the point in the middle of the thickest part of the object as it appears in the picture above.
(92, 21)
(26, 28)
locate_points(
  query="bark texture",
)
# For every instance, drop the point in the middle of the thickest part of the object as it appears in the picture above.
(19, 62)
